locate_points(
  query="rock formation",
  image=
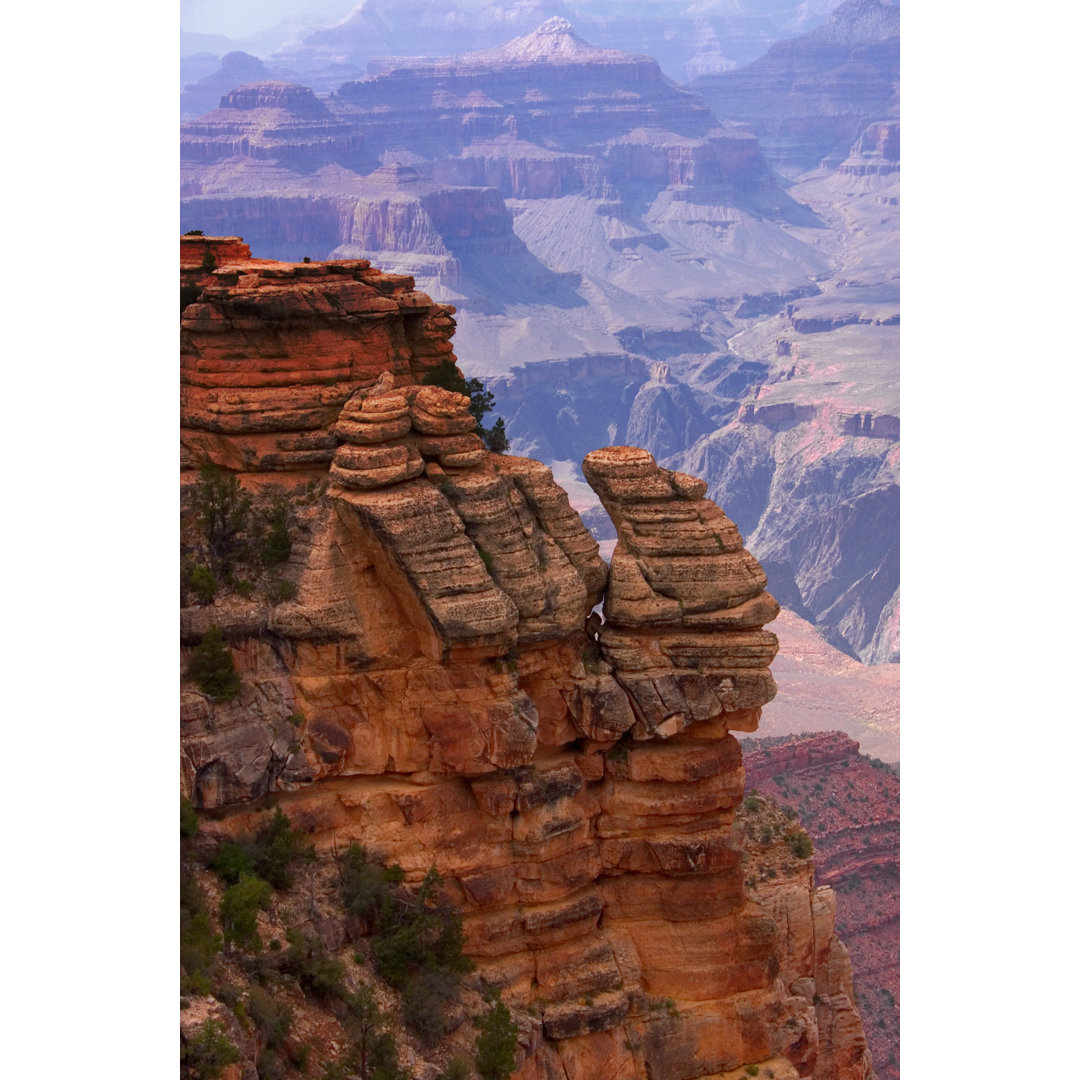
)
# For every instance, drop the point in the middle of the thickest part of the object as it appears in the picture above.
(850, 806)
(430, 690)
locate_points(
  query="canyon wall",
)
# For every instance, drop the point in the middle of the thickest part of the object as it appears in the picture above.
(850, 807)
(433, 686)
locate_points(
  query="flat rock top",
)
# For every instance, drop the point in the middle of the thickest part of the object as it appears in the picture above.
(618, 461)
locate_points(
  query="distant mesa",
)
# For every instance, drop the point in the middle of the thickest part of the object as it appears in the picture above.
(236, 69)
(299, 100)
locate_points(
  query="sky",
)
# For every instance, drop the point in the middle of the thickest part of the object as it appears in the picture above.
(239, 18)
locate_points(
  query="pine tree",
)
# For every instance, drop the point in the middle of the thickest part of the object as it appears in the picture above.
(213, 669)
(496, 1043)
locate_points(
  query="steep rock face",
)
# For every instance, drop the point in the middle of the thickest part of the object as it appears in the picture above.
(810, 96)
(434, 692)
(850, 807)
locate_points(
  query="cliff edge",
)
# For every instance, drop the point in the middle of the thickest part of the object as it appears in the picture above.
(420, 674)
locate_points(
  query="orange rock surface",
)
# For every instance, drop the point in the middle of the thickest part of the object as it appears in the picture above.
(432, 691)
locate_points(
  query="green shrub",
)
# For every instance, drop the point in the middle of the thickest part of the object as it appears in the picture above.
(272, 1018)
(279, 590)
(230, 861)
(424, 1002)
(318, 973)
(194, 232)
(799, 843)
(496, 1043)
(271, 1065)
(203, 584)
(238, 908)
(189, 819)
(364, 884)
(418, 950)
(213, 669)
(223, 512)
(206, 1053)
(275, 847)
(199, 945)
(209, 263)
(242, 586)
(752, 804)
(372, 1053)
(752, 1070)
(495, 437)
(277, 546)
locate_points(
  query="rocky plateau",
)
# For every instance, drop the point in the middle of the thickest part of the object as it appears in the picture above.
(436, 686)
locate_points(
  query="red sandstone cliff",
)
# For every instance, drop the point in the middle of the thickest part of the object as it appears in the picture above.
(427, 689)
(850, 806)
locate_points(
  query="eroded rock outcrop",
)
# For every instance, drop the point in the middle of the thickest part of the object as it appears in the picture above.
(437, 690)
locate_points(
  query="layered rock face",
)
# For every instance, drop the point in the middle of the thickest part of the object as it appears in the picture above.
(271, 352)
(437, 690)
(850, 805)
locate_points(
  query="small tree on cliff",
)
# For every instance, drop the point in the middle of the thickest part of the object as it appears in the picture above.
(222, 510)
(481, 402)
(496, 1043)
(213, 669)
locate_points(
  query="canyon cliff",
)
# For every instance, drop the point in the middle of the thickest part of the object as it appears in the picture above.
(431, 686)
(850, 806)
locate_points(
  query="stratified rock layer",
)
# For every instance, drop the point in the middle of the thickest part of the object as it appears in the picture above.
(438, 692)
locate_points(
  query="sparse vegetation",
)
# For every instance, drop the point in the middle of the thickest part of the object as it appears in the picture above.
(496, 1043)
(799, 843)
(199, 945)
(457, 1068)
(222, 511)
(413, 936)
(203, 584)
(189, 820)
(418, 950)
(209, 263)
(194, 232)
(280, 590)
(277, 546)
(205, 1055)
(213, 669)
(236, 548)
(310, 963)
(238, 912)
